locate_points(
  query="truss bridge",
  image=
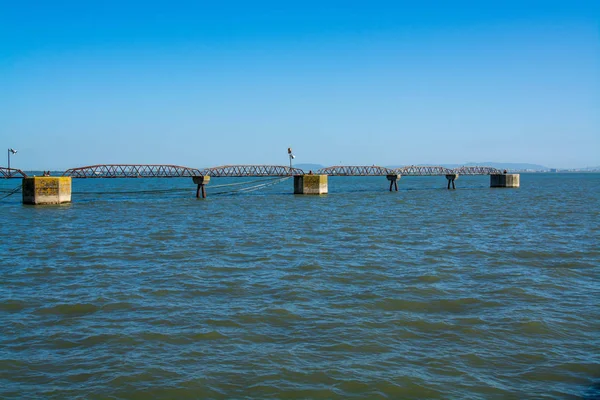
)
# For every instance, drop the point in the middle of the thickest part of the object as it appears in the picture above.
(132, 171)
(311, 183)
(355, 170)
(177, 171)
(476, 171)
(419, 170)
(251, 170)
(6, 173)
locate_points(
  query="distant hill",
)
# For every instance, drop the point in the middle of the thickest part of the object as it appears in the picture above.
(511, 166)
(591, 168)
(499, 165)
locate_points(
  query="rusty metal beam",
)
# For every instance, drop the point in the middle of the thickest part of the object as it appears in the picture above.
(132, 171)
(355, 170)
(422, 170)
(6, 173)
(251, 170)
(476, 170)
(176, 171)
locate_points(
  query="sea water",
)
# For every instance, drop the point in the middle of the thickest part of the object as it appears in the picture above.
(139, 290)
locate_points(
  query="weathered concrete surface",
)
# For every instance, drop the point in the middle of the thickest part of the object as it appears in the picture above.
(310, 184)
(505, 180)
(47, 190)
(201, 180)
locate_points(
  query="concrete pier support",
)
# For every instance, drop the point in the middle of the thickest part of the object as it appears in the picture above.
(47, 190)
(505, 180)
(394, 181)
(451, 178)
(201, 181)
(310, 184)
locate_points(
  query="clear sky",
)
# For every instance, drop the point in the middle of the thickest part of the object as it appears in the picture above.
(205, 83)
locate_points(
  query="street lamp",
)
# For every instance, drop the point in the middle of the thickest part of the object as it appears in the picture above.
(291, 156)
(13, 151)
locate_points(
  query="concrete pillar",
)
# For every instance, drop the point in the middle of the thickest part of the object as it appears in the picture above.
(201, 181)
(505, 180)
(451, 178)
(47, 190)
(310, 184)
(394, 180)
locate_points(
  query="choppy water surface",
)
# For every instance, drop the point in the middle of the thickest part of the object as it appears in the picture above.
(425, 293)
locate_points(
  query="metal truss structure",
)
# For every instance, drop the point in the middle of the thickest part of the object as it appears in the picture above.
(410, 170)
(132, 171)
(478, 170)
(423, 170)
(251, 170)
(355, 170)
(11, 173)
(175, 171)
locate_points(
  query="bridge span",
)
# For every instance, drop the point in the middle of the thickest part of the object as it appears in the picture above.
(11, 173)
(176, 171)
(355, 170)
(56, 190)
(132, 171)
(410, 170)
(202, 177)
(251, 171)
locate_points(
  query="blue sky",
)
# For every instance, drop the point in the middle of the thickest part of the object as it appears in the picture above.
(388, 83)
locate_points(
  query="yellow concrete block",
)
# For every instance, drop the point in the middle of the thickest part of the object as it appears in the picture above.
(505, 180)
(47, 190)
(310, 184)
(201, 180)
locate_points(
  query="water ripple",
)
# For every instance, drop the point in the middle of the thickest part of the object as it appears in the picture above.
(424, 293)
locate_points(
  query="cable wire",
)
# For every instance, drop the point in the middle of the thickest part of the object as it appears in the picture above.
(15, 190)
(253, 188)
(265, 183)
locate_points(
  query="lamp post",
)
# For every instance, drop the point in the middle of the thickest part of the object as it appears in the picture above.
(291, 156)
(13, 151)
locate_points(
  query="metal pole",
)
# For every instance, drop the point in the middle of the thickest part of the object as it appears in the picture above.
(290, 155)
(8, 160)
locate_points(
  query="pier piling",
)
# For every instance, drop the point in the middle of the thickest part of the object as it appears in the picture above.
(393, 178)
(41, 190)
(505, 180)
(201, 181)
(451, 178)
(310, 184)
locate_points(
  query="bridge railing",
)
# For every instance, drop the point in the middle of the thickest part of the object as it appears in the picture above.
(476, 170)
(409, 170)
(423, 170)
(132, 171)
(355, 170)
(6, 173)
(173, 171)
(251, 170)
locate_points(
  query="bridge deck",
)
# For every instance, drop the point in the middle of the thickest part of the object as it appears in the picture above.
(176, 171)
(251, 170)
(355, 170)
(11, 173)
(132, 171)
